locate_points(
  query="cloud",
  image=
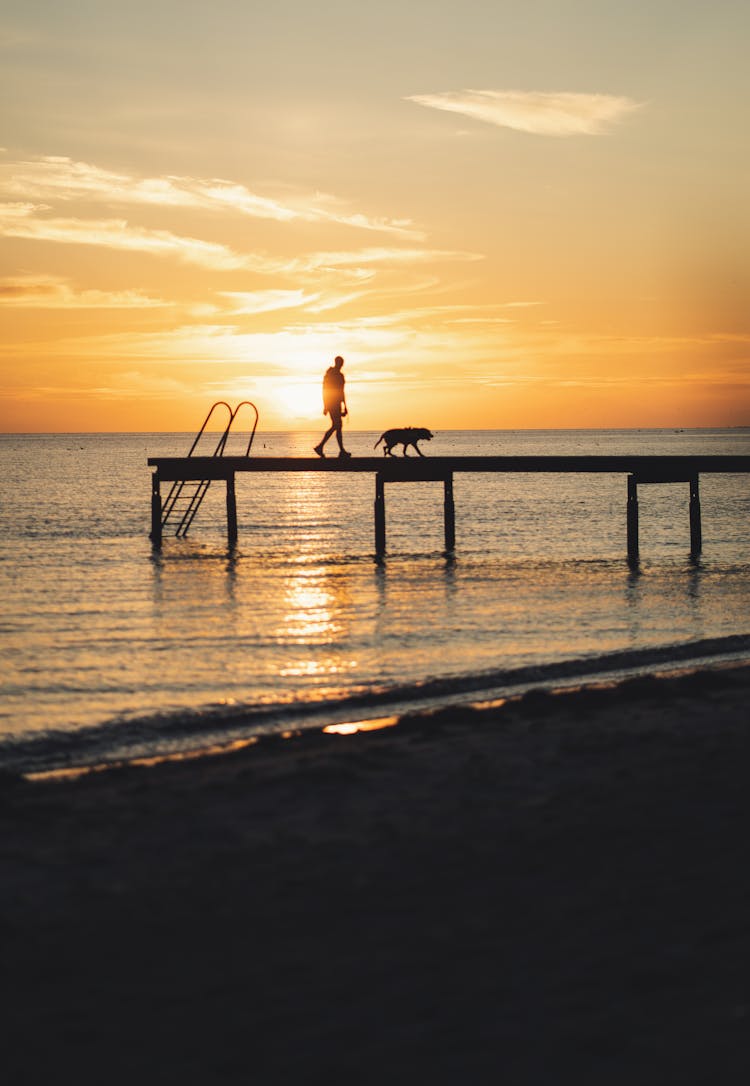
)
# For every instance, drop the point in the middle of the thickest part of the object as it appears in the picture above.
(49, 292)
(25, 221)
(266, 301)
(383, 255)
(544, 114)
(55, 178)
(31, 221)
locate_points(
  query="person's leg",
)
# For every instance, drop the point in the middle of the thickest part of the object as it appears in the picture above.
(335, 428)
(340, 438)
(321, 444)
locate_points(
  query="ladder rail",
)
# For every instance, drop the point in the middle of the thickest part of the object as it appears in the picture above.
(248, 403)
(175, 491)
(223, 439)
(196, 498)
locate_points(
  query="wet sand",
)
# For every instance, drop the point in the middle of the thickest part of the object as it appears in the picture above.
(553, 890)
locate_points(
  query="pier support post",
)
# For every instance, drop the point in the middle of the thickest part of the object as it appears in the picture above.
(155, 535)
(231, 512)
(696, 534)
(449, 514)
(632, 519)
(379, 515)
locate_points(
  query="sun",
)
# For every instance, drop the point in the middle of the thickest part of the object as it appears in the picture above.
(299, 400)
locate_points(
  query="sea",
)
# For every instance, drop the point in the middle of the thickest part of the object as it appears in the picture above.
(111, 650)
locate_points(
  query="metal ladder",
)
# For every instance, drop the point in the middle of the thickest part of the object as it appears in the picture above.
(185, 496)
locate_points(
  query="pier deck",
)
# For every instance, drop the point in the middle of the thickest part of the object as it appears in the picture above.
(393, 469)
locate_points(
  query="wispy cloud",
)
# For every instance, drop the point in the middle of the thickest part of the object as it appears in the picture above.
(32, 221)
(49, 292)
(54, 178)
(266, 301)
(28, 221)
(383, 255)
(538, 112)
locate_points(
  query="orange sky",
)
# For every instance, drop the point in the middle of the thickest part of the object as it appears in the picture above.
(503, 215)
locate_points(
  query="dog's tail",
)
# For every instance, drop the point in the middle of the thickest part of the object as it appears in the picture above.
(378, 441)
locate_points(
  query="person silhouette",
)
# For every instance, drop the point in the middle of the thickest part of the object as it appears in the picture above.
(334, 404)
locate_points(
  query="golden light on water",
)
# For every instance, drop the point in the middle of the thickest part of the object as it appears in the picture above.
(318, 668)
(316, 613)
(310, 612)
(308, 615)
(232, 746)
(354, 726)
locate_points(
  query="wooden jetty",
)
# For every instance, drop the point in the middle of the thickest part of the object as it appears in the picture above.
(201, 471)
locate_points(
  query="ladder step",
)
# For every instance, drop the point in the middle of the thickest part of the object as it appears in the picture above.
(183, 502)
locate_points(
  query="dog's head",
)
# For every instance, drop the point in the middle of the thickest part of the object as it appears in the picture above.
(420, 434)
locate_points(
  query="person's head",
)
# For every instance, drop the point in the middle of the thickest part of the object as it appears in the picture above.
(338, 361)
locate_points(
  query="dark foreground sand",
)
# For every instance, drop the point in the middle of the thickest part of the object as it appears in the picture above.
(557, 890)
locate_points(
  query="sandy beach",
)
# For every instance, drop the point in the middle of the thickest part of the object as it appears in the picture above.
(554, 889)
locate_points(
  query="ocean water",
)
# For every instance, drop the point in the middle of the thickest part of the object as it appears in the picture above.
(110, 650)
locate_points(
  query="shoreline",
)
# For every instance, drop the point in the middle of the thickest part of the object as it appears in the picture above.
(183, 734)
(280, 740)
(551, 887)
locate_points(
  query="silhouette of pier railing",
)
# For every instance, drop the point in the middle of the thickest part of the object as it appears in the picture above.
(639, 470)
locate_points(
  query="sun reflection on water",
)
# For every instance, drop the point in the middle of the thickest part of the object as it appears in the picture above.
(353, 726)
(309, 611)
(315, 607)
(312, 668)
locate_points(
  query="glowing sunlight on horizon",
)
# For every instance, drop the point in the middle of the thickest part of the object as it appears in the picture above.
(564, 248)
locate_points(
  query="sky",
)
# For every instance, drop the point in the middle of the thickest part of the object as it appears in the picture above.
(501, 214)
